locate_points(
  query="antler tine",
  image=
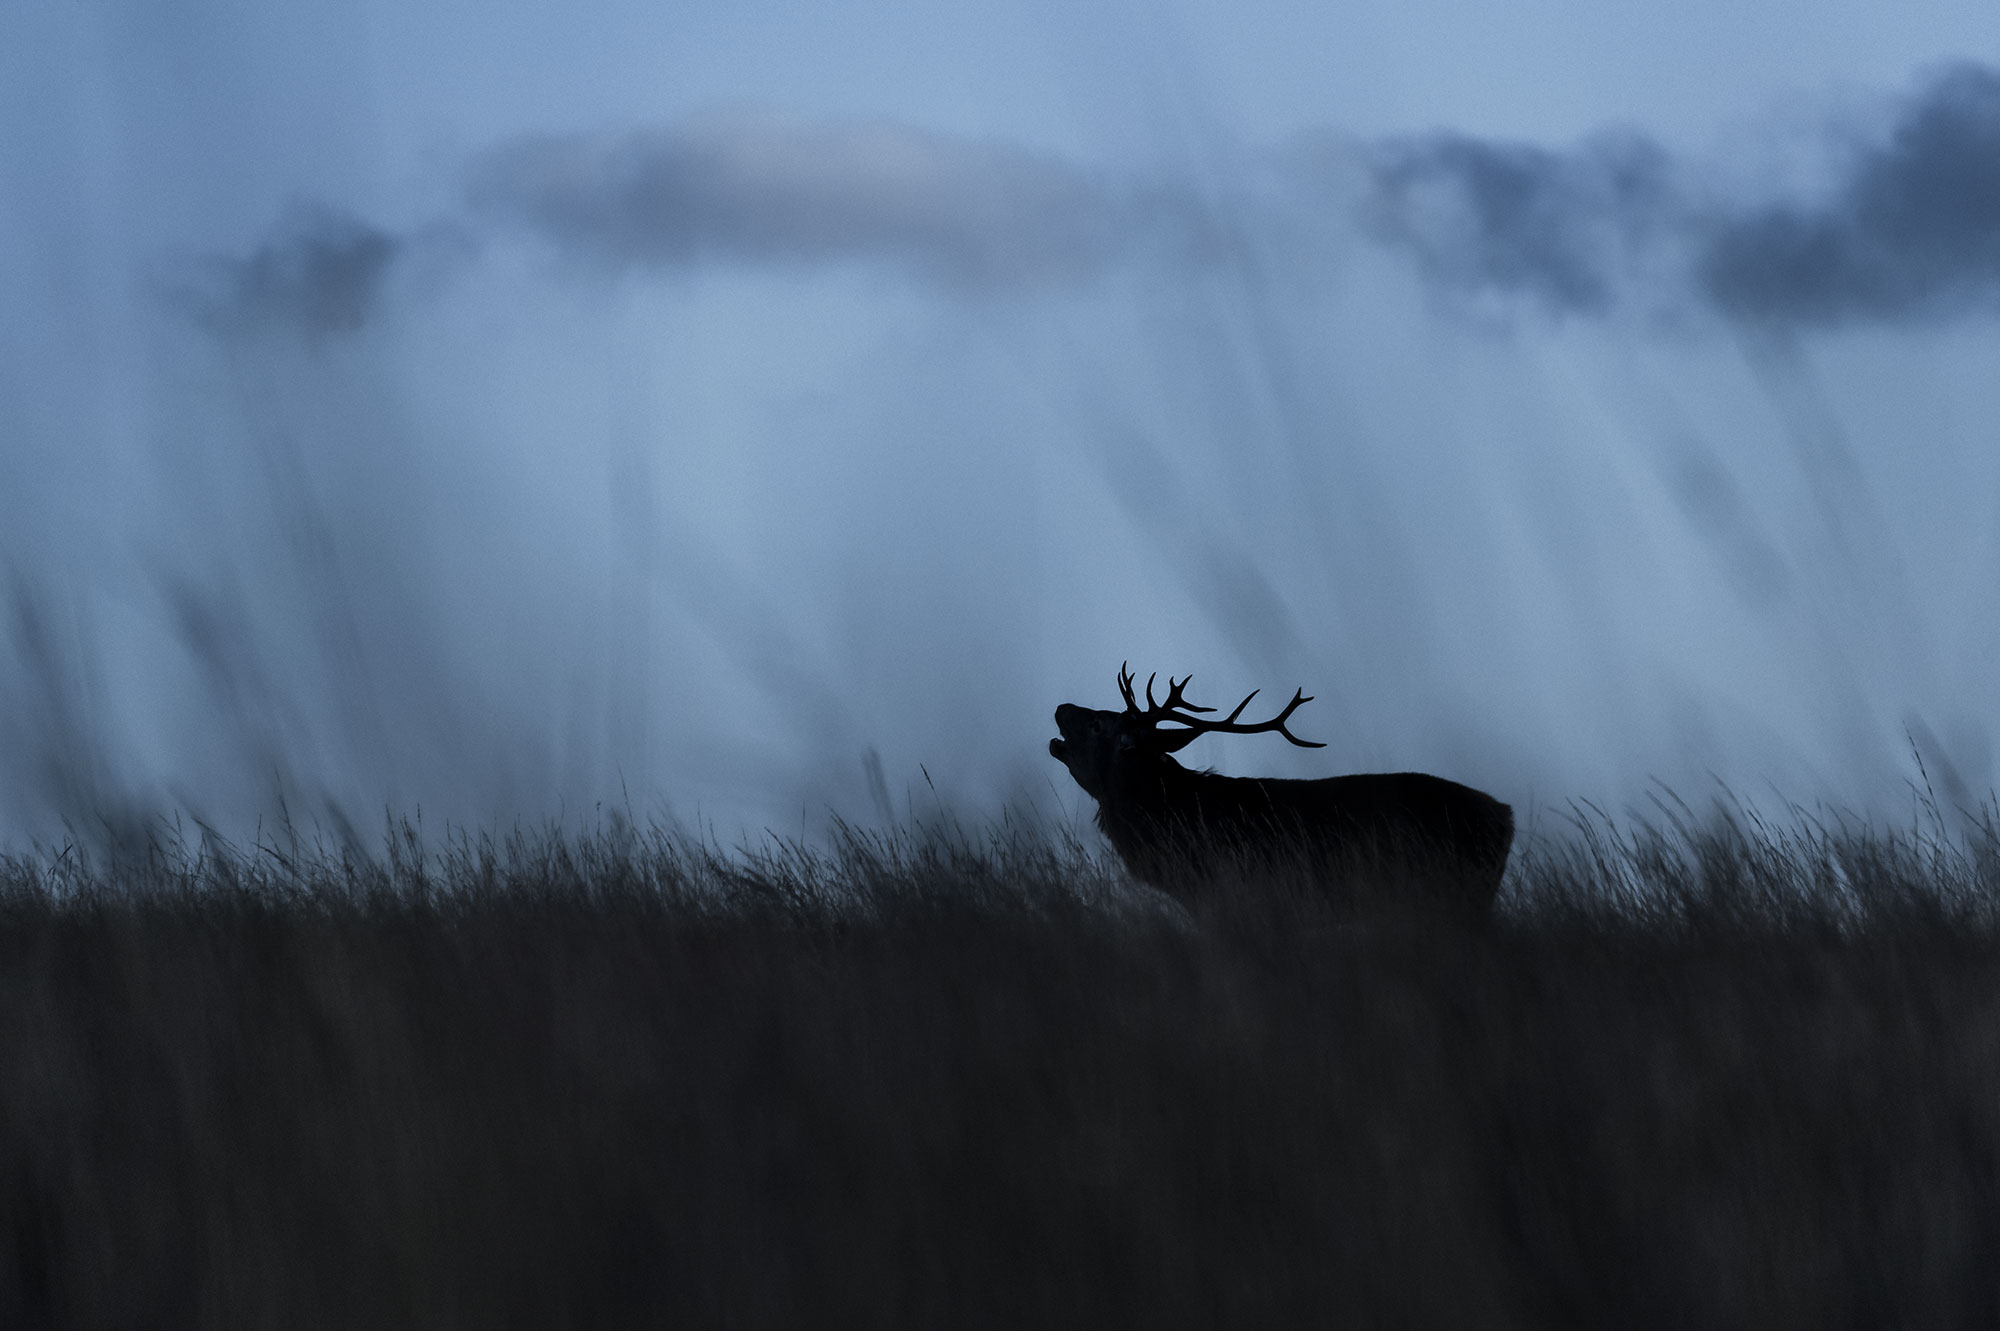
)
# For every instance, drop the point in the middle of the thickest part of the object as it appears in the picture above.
(1299, 697)
(1177, 699)
(1181, 712)
(1125, 686)
(1176, 708)
(1230, 720)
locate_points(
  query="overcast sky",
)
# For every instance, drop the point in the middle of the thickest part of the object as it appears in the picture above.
(501, 409)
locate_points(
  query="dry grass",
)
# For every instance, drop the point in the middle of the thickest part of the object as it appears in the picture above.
(1707, 1071)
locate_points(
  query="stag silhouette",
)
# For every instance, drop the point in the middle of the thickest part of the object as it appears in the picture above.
(1374, 843)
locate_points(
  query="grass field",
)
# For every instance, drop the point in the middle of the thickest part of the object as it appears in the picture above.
(1703, 1072)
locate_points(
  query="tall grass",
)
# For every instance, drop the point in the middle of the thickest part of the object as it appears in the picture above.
(1707, 1070)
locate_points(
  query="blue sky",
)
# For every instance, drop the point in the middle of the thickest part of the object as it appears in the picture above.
(504, 408)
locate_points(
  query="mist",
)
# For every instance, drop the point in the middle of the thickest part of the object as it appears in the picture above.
(753, 459)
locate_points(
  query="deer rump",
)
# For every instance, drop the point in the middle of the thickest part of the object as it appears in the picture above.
(1376, 843)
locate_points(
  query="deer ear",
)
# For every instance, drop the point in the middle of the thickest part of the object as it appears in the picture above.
(1173, 741)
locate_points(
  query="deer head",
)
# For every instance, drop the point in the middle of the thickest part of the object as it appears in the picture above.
(1110, 752)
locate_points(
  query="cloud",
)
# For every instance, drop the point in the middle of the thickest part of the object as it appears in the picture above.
(320, 271)
(1910, 231)
(761, 189)
(1562, 229)
(1913, 233)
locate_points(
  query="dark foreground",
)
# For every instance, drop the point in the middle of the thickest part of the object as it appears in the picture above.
(1691, 1080)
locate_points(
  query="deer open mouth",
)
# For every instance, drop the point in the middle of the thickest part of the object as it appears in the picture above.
(1056, 749)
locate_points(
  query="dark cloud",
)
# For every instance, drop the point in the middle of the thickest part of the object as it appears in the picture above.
(763, 189)
(1914, 231)
(1563, 229)
(1911, 229)
(320, 271)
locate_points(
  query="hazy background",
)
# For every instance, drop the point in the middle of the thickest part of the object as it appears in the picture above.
(503, 408)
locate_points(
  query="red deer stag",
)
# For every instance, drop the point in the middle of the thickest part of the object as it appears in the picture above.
(1376, 843)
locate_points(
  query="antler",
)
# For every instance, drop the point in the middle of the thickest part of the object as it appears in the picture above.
(1179, 710)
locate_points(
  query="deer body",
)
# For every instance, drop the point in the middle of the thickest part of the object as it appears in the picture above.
(1375, 843)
